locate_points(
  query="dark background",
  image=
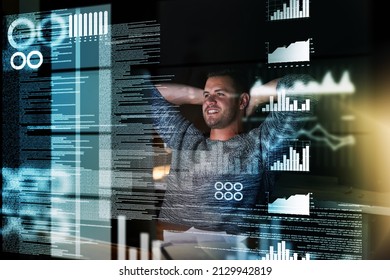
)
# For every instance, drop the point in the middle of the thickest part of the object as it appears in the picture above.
(196, 34)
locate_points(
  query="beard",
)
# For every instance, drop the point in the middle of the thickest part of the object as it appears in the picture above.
(220, 120)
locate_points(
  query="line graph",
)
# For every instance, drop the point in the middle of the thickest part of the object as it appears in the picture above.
(320, 134)
(298, 204)
(295, 52)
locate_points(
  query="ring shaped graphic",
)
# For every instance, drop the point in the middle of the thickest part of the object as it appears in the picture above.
(238, 186)
(238, 196)
(218, 186)
(62, 34)
(23, 59)
(34, 66)
(228, 186)
(228, 195)
(10, 35)
(218, 195)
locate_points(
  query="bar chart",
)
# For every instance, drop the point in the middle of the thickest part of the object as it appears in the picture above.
(283, 253)
(133, 253)
(296, 159)
(284, 103)
(88, 24)
(144, 252)
(294, 9)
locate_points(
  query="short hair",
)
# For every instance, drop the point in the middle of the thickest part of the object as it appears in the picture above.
(241, 80)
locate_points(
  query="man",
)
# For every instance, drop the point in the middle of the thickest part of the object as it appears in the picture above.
(221, 181)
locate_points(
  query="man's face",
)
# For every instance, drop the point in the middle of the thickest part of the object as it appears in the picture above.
(221, 102)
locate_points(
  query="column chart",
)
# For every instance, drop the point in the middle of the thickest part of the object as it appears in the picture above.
(282, 253)
(294, 9)
(295, 159)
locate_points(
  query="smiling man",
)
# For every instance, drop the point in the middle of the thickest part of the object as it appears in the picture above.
(221, 180)
(224, 107)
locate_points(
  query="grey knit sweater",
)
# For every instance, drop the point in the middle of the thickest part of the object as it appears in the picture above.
(221, 185)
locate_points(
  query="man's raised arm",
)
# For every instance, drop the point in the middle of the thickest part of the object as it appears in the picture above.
(179, 94)
(260, 94)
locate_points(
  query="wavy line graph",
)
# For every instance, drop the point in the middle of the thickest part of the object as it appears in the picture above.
(318, 133)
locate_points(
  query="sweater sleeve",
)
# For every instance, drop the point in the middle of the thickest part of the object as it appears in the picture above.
(173, 128)
(282, 125)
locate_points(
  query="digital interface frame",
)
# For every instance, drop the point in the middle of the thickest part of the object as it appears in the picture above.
(84, 172)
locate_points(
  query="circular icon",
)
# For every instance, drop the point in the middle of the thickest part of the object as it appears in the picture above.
(34, 66)
(238, 196)
(29, 39)
(228, 195)
(218, 186)
(228, 186)
(225, 191)
(23, 57)
(218, 195)
(22, 32)
(58, 35)
(238, 187)
(27, 60)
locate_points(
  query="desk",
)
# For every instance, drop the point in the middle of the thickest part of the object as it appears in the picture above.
(215, 247)
(161, 226)
(197, 244)
(371, 235)
(181, 242)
